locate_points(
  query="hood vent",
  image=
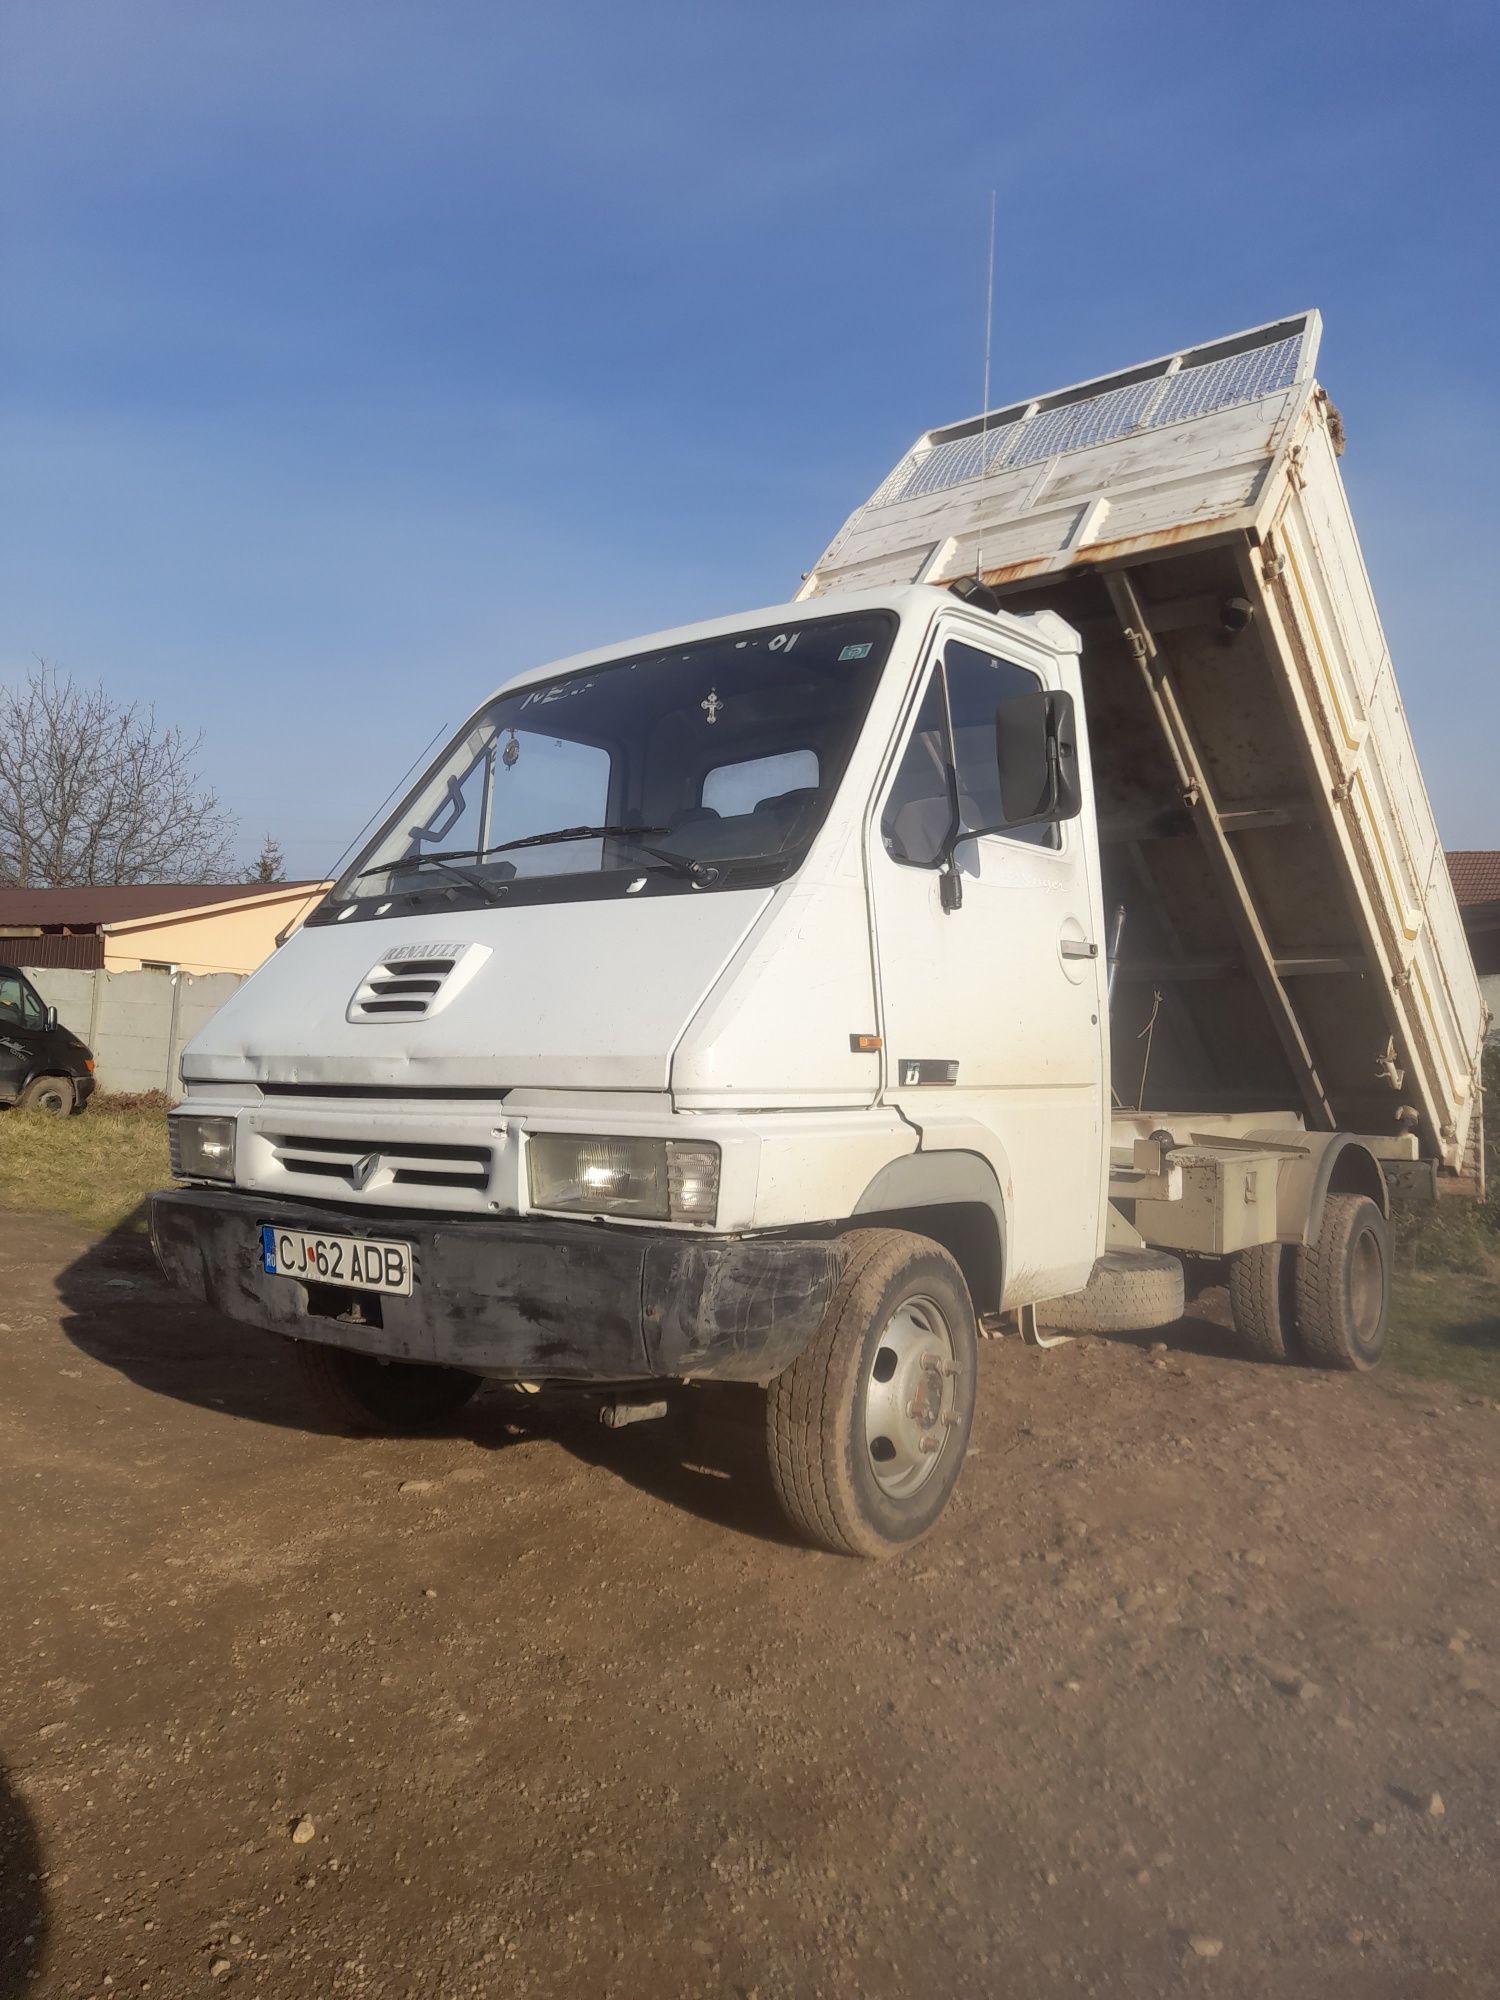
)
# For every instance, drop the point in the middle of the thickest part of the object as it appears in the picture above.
(413, 981)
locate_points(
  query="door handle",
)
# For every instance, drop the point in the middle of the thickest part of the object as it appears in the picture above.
(1077, 947)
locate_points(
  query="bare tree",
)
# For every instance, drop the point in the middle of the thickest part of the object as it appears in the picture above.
(270, 864)
(94, 792)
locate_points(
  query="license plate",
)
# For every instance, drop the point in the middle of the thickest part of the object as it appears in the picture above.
(336, 1260)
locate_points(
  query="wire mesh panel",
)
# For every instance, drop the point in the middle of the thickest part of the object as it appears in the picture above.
(1220, 385)
(1177, 390)
(1075, 426)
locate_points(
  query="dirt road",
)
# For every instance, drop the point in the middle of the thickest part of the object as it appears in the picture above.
(1197, 1688)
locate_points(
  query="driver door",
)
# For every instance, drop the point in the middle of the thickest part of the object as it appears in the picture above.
(993, 1012)
(17, 1043)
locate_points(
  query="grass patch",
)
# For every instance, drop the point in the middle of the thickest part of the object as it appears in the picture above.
(1445, 1318)
(1445, 1327)
(98, 1167)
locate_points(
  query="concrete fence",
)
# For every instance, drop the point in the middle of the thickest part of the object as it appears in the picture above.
(136, 1023)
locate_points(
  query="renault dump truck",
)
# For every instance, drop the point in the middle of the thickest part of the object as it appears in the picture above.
(1042, 906)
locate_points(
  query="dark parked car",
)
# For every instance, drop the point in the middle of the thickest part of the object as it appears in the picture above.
(43, 1066)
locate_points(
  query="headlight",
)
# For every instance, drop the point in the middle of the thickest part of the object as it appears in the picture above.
(660, 1180)
(200, 1149)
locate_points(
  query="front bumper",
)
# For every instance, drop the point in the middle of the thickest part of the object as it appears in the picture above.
(529, 1299)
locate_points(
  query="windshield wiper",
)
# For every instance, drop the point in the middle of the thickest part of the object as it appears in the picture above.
(572, 833)
(707, 873)
(490, 892)
(417, 860)
(702, 872)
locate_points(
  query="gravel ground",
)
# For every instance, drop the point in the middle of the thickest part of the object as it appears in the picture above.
(1196, 1688)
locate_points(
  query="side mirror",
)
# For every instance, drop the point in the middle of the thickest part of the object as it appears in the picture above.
(50, 1018)
(1036, 752)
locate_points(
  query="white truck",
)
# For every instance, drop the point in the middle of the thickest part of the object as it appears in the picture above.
(1044, 902)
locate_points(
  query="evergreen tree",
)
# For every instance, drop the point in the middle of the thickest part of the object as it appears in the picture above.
(270, 865)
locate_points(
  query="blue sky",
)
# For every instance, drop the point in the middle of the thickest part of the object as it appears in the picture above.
(353, 356)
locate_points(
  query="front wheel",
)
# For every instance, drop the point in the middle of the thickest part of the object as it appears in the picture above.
(868, 1428)
(52, 1094)
(362, 1394)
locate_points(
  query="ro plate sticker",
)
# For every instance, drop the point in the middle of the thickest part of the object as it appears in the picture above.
(855, 652)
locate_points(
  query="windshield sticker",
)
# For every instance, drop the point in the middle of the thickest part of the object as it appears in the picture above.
(712, 705)
(784, 642)
(559, 691)
(855, 652)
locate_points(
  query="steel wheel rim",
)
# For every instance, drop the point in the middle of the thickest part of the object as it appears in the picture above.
(910, 1398)
(1366, 1289)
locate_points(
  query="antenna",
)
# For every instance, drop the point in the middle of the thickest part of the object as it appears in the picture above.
(333, 874)
(984, 428)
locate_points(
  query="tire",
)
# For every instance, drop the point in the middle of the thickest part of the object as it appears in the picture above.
(52, 1094)
(1128, 1291)
(867, 1430)
(1344, 1285)
(365, 1396)
(1263, 1301)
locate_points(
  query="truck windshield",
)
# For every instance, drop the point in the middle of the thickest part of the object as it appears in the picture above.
(700, 767)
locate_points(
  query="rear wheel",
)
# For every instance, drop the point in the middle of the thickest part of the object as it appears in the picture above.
(52, 1094)
(868, 1428)
(1263, 1300)
(1344, 1285)
(363, 1394)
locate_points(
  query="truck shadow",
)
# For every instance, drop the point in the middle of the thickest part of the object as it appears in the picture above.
(23, 1901)
(1204, 1329)
(706, 1456)
(119, 1311)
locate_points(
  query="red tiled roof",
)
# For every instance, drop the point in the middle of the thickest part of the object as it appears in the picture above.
(86, 909)
(1476, 875)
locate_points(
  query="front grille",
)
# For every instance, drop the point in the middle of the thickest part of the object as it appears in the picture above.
(358, 1165)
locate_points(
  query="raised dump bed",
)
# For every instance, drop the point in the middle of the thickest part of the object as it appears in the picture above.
(1290, 935)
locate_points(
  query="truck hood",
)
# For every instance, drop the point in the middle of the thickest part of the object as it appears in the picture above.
(571, 996)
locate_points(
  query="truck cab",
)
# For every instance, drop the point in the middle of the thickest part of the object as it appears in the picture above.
(680, 964)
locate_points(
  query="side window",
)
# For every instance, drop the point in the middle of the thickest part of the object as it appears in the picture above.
(33, 1013)
(10, 999)
(977, 684)
(918, 814)
(739, 788)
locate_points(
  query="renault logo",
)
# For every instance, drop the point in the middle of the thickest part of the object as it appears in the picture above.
(363, 1168)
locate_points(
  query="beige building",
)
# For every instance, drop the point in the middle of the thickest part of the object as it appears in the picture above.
(171, 927)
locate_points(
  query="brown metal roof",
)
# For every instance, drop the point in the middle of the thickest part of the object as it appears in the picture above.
(1476, 875)
(86, 909)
